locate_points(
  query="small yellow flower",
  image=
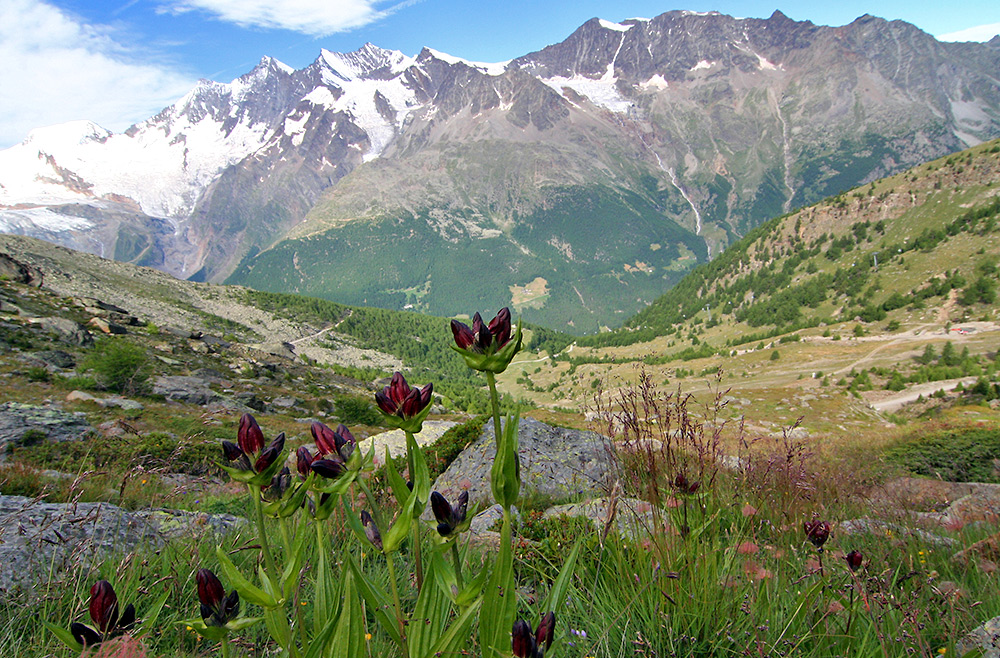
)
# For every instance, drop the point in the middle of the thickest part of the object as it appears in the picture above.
(302, 603)
(368, 637)
(189, 628)
(942, 651)
(144, 482)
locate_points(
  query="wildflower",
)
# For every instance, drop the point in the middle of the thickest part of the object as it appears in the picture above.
(371, 530)
(684, 486)
(404, 407)
(487, 347)
(451, 520)
(104, 613)
(338, 442)
(250, 445)
(524, 644)
(854, 560)
(817, 532)
(217, 609)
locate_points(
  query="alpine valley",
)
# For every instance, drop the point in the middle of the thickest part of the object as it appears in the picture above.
(577, 183)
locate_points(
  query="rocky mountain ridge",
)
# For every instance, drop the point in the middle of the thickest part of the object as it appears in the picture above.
(606, 165)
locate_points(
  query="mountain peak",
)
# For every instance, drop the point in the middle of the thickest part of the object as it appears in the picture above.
(368, 61)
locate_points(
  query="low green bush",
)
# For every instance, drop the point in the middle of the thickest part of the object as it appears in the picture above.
(958, 454)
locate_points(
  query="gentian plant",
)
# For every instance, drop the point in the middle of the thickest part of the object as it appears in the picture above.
(292, 504)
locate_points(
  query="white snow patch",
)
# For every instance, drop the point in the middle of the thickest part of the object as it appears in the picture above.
(617, 27)
(702, 64)
(600, 92)
(358, 100)
(321, 96)
(294, 126)
(489, 68)
(656, 82)
(765, 65)
(699, 13)
(164, 165)
(21, 221)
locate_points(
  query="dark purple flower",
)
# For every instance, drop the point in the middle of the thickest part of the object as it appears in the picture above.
(854, 560)
(250, 454)
(303, 461)
(249, 436)
(399, 399)
(104, 613)
(371, 530)
(340, 441)
(526, 644)
(481, 337)
(684, 486)
(448, 517)
(217, 609)
(817, 532)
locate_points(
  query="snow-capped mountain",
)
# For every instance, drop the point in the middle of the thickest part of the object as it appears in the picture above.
(605, 165)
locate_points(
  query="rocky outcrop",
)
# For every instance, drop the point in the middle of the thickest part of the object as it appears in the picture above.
(38, 538)
(556, 463)
(24, 424)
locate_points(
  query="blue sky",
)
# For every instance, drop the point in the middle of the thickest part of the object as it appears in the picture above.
(116, 62)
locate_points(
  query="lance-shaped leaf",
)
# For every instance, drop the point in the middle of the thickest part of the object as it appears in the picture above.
(505, 474)
(248, 591)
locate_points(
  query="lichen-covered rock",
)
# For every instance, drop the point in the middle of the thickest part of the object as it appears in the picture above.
(22, 424)
(395, 440)
(986, 638)
(632, 518)
(556, 463)
(192, 390)
(38, 538)
(66, 330)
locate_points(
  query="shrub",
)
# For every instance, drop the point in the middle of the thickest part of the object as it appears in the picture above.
(120, 366)
(955, 454)
(353, 410)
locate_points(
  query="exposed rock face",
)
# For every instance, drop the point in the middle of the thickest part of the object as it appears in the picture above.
(193, 390)
(28, 423)
(37, 537)
(985, 637)
(556, 463)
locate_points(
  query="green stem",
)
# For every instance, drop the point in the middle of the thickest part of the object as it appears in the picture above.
(285, 537)
(415, 527)
(272, 567)
(396, 602)
(457, 561)
(491, 379)
(225, 647)
(370, 503)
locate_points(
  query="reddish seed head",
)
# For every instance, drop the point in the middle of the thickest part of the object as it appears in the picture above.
(854, 560)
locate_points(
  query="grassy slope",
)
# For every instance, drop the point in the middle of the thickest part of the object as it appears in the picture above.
(743, 289)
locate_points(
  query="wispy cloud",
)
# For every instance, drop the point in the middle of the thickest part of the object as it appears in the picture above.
(977, 33)
(57, 68)
(312, 17)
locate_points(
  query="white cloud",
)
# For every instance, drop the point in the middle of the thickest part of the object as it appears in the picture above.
(56, 68)
(313, 17)
(977, 33)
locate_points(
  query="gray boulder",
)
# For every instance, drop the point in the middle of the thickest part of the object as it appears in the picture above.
(192, 390)
(36, 537)
(22, 424)
(67, 330)
(985, 638)
(556, 463)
